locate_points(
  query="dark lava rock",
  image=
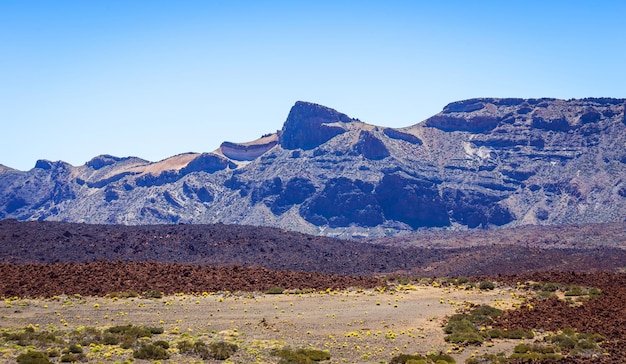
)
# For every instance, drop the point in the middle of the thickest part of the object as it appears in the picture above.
(343, 202)
(295, 191)
(414, 202)
(476, 209)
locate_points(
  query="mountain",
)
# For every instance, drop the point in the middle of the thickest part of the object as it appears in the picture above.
(480, 163)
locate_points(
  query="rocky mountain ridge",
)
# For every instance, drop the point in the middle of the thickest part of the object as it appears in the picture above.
(480, 163)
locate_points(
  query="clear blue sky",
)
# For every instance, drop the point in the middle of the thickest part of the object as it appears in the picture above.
(157, 78)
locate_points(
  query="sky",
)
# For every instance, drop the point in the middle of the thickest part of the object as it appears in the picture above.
(152, 79)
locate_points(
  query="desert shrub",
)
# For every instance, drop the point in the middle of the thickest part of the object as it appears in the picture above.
(29, 336)
(534, 353)
(545, 294)
(406, 358)
(594, 292)
(574, 291)
(486, 286)
(110, 339)
(517, 334)
(462, 280)
(441, 358)
(550, 287)
(300, 356)
(126, 335)
(222, 350)
(577, 343)
(135, 331)
(499, 358)
(152, 352)
(484, 314)
(420, 359)
(155, 330)
(185, 347)
(71, 358)
(33, 357)
(275, 290)
(74, 349)
(563, 341)
(153, 293)
(462, 328)
(315, 355)
(462, 325)
(465, 337)
(201, 349)
(162, 343)
(125, 294)
(86, 335)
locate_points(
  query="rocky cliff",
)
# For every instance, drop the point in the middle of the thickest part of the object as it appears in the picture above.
(480, 163)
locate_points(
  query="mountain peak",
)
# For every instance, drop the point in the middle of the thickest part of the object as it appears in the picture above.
(307, 126)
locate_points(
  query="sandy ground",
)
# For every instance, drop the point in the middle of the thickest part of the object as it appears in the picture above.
(355, 326)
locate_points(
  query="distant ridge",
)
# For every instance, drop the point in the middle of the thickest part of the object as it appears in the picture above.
(480, 163)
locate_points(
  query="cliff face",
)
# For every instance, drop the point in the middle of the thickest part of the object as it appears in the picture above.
(479, 163)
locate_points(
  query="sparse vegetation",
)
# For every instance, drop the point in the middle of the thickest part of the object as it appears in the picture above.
(550, 287)
(275, 290)
(300, 356)
(33, 357)
(152, 352)
(432, 358)
(470, 328)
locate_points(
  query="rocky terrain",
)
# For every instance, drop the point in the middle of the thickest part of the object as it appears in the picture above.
(51, 271)
(480, 163)
(271, 248)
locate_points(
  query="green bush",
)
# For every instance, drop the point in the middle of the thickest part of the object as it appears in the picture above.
(468, 338)
(126, 336)
(550, 287)
(577, 343)
(185, 347)
(110, 339)
(574, 291)
(406, 358)
(486, 286)
(29, 336)
(462, 325)
(71, 358)
(275, 290)
(153, 293)
(222, 350)
(201, 349)
(33, 357)
(421, 359)
(151, 352)
(300, 356)
(126, 294)
(162, 343)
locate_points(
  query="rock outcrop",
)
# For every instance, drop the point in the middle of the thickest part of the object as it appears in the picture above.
(480, 163)
(310, 125)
